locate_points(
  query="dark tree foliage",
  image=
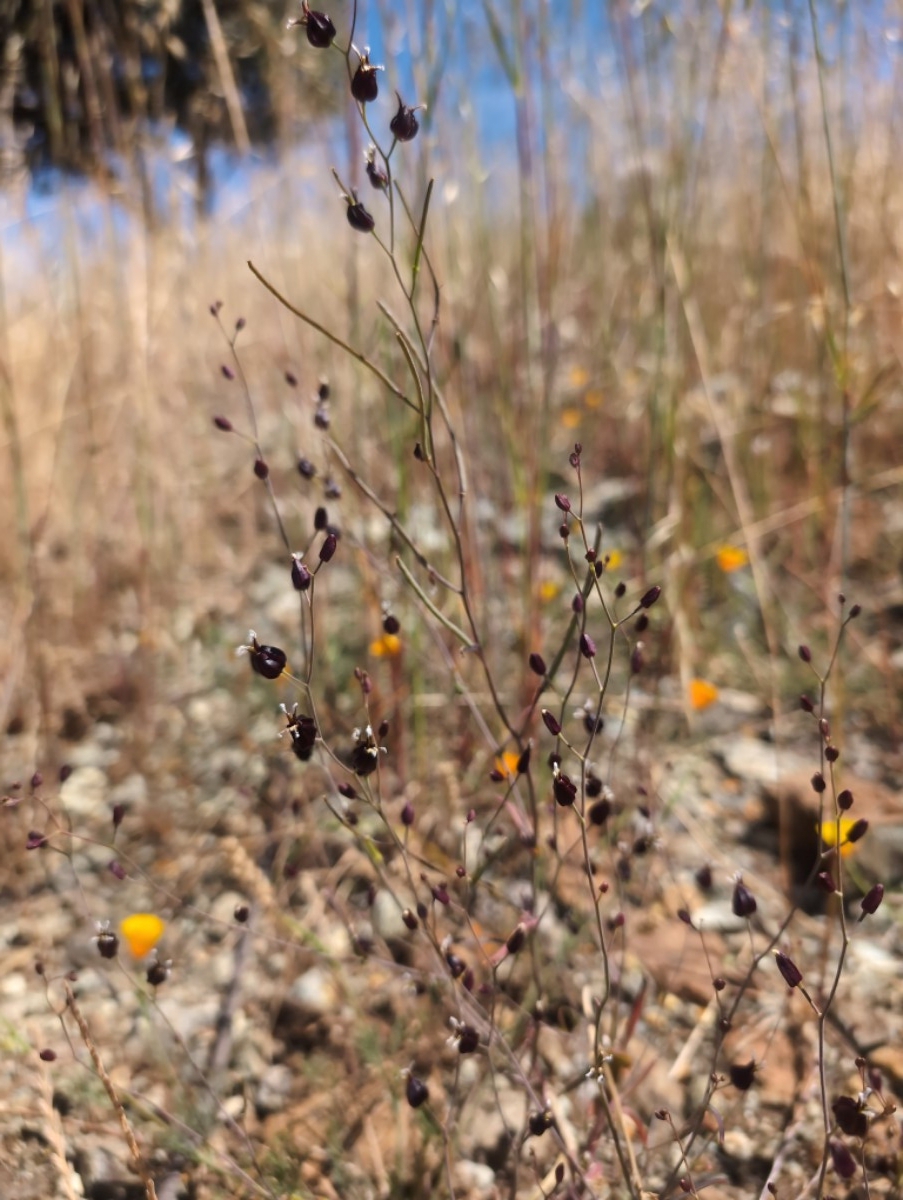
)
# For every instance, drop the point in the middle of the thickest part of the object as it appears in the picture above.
(84, 83)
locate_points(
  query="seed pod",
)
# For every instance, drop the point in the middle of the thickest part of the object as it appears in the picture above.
(328, 549)
(364, 84)
(649, 598)
(404, 124)
(587, 646)
(537, 664)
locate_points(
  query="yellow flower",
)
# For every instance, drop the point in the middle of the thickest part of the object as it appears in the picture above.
(142, 931)
(578, 377)
(613, 560)
(829, 834)
(702, 694)
(506, 764)
(570, 417)
(731, 558)
(386, 646)
(593, 398)
(548, 590)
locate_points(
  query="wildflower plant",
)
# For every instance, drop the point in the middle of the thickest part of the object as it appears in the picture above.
(547, 823)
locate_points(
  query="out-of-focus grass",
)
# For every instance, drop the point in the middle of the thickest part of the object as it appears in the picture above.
(673, 300)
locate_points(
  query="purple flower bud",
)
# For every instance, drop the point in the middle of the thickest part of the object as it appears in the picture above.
(65, 771)
(456, 965)
(637, 659)
(539, 1122)
(47, 1055)
(268, 661)
(306, 468)
(818, 782)
(347, 790)
(328, 549)
(793, 976)
(404, 124)
(377, 176)
(852, 1119)
(407, 814)
(805, 653)
(364, 83)
(857, 830)
(410, 919)
(107, 944)
(468, 1039)
(537, 664)
(118, 814)
(291, 378)
(440, 894)
(683, 915)
(845, 800)
(318, 26)
(855, 611)
(241, 913)
(600, 811)
(577, 603)
(562, 502)
(227, 371)
(516, 939)
(321, 519)
(743, 902)
(523, 763)
(742, 1076)
(842, 1160)
(825, 881)
(223, 423)
(551, 722)
(359, 218)
(261, 470)
(34, 840)
(301, 576)
(806, 704)
(649, 598)
(416, 1092)
(832, 754)
(116, 869)
(587, 646)
(564, 790)
(871, 901)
